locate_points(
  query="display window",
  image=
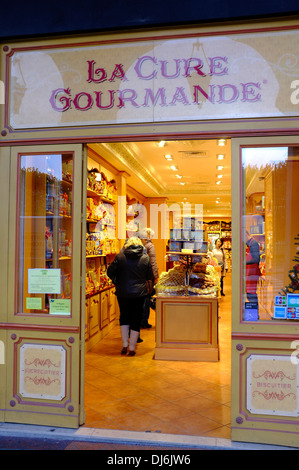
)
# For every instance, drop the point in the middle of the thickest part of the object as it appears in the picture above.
(270, 235)
(44, 234)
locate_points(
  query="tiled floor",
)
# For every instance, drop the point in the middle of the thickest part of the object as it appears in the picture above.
(141, 394)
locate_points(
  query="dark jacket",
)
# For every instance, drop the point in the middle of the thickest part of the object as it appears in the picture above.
(129, 272)
(253, 256)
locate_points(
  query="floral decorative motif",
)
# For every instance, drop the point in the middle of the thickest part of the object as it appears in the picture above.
(41, 362)
(273, 375)
(274, 395)
(42, 381)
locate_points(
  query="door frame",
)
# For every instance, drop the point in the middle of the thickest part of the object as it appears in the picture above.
(61, 334)
(254, 338)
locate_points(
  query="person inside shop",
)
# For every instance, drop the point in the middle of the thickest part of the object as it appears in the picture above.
(219, 254)
(146, 236)
(252, 267)
(129, 271)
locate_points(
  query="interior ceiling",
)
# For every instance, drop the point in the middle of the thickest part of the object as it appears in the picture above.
(151, 175)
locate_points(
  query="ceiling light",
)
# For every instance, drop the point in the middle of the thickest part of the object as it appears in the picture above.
(162, 143)
(168, 157)
(221, 142)
(218, 182)
(174, 168)
(219, 176)
(220, 157)
(182, 184)
(179, 176)
(220, 167)
(217, 202)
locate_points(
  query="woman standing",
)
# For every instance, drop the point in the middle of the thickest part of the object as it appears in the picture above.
(219, 254)
(129, 272)
(145, 235)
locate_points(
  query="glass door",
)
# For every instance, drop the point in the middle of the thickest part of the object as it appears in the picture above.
(44, 280)
(265, 328)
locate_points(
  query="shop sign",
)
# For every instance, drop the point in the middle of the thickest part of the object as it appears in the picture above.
(272, 385)
(42, 371)
(195, 77)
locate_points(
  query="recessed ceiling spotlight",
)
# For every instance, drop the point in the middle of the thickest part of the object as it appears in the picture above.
(174, 168)
(220, 156)
(219, 176)
(183, 184)
(220, 167)
(162, 143)
(218, 182)
(179, 176)
(221, 142)
(168, 157)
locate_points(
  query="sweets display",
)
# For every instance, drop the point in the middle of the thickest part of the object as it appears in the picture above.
(201, 278)
(172, 282)
(98, 182)
(203, 281)
(96, 278)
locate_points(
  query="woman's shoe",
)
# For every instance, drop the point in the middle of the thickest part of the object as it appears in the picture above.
(124, 351)
(132, 353)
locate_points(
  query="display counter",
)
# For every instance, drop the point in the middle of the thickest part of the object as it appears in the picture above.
(187, 328)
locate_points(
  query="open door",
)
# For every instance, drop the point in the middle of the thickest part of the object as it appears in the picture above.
(44, 347)
(265, 282)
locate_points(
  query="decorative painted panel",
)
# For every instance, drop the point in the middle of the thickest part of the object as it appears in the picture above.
(265, 386)
(42, 371)
(42, 378)
(272, 385)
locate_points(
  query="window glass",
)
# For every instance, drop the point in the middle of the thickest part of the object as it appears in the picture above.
(44, 234)
(270, 233)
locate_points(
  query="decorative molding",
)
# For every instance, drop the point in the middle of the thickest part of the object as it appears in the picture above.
(125, 155)
(34, 327)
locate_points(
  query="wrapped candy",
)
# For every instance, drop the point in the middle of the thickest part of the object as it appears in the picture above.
(172, 282)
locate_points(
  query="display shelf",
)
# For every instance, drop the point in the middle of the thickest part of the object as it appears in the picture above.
(101, 247)
(100, 196)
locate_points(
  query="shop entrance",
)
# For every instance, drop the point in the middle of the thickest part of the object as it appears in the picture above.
(143, 393)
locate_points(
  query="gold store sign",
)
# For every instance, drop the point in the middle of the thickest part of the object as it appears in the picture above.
(195, 77)
(272, 385)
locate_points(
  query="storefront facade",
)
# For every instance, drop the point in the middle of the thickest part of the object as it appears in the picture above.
(209, 82)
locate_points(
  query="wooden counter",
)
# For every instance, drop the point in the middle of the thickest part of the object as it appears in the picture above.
(187, 328)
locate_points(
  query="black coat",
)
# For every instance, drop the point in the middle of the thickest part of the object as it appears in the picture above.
(129, 272)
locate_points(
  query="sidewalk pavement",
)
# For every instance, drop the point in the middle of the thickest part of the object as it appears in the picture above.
(105, 439)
